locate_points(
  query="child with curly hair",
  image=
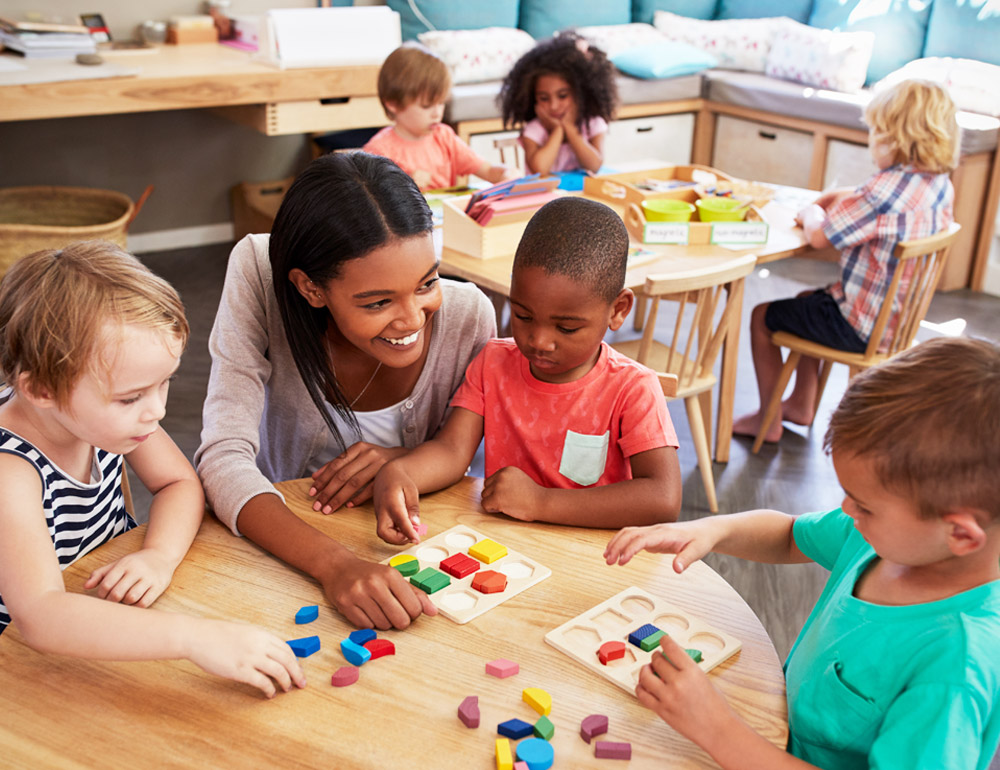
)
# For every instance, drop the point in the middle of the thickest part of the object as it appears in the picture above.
(563, 92)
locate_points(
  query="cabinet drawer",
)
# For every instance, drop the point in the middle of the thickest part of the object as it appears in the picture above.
(664, 137)
(305, 117)
(847, 164)
(762, 152)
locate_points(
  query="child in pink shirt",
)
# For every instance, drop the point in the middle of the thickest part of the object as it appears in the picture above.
(413, 85)
(575, 432)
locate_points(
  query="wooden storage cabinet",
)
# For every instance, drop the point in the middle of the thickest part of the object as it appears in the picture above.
(847, 164)
(664, 137)
(749, 149)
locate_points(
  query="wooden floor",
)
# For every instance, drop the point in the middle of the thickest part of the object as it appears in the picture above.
(794, 476)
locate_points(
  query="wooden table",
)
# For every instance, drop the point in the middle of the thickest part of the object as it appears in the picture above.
(65, 712)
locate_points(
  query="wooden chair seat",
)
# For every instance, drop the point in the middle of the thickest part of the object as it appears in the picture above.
(657, 360)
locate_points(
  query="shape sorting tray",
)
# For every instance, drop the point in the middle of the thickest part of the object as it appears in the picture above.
(617, 617)
(459, 601)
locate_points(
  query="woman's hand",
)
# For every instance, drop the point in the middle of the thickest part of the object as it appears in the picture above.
(690, 540)
(348, 478)
(513, 492)
(138, 578)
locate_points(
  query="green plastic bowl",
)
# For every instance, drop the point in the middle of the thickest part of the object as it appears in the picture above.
(722, 209)
(667, 210)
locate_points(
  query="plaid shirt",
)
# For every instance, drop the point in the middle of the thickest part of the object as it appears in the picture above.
(896, 204)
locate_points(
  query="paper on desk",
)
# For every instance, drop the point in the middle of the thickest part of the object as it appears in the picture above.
(9, 64)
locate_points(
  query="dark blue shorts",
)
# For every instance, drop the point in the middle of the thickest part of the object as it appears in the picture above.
(815, 317)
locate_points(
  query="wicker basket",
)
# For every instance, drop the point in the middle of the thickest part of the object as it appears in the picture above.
(35, 218)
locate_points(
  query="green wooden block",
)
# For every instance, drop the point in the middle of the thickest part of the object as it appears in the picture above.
(695, 654)
(430, 580)
(652, 641)
(544, 728)
(407, 568)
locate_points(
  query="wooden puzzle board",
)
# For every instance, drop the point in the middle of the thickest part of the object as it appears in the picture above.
(459, 601)
(616, 618)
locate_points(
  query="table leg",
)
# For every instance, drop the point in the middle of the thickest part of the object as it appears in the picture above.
(727, 377)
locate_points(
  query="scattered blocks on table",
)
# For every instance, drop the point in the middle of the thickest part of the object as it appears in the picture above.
(652, 641)
(489, 582)
(362, 635)
(695, 655)
(405, 564)
(355, 654)
(612, 750)
(641, 633)
(515, 728)
(458, 565)
(610, 651)
(501, 668)
(305, 646)
(544, 728)
(488, 551)
(468, 711)
(592, 726)
(538, 699)
(379, 648)
(344, 676)
(538, 754)
(430, 580)
(307, 614)
(505, 760)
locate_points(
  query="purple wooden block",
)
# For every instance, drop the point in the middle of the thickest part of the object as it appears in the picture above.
(594, 725)
(612, 750)
(468, 711)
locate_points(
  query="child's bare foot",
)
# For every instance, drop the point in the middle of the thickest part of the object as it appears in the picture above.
(749, 425)
(796, 413)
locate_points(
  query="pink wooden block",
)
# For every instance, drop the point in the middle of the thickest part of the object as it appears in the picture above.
(612, 750)
(421, 529)
(501, 668)
(594, 725)
(468, 711)
(344, 676)
(520, 766)
(380, 648)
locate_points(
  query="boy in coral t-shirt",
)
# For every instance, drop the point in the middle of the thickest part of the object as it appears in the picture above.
(575, 432)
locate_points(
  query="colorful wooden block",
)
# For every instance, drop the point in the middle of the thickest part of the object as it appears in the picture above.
(695, 655)
(501, 668)
(430, 580)
(305, 646)
(488, 551)
(538, 699)
(355, 654)
(610, 651)
(544, 728)
(505, 760)
(405, 564)
(458, 565)
(515, 728)
(641, 633)
(652, 641)
(379, 648)
(307, 614)
(537, 753)
(489, 582)
(592, 726)
(420, 529)
(520, 766)
(362, 635)
(612, 750)
(468, 711)
(344, 676)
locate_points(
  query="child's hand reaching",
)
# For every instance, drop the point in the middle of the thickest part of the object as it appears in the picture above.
(511, 491)
(397, 506)
(690, 540)
(138, 578)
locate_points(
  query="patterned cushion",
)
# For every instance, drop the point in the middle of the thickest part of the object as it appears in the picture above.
(475, 55)
(737, 45)
(974, 86)
(614, 39)
(820, 57)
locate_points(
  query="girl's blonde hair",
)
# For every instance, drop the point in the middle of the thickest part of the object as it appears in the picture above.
(54, 305)
(915, 120)
(409, 73)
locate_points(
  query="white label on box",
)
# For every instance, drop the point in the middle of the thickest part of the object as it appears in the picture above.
(739, 232)
(666, 232)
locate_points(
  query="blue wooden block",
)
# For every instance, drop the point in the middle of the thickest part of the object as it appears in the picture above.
(515, 728)
(355, 654)
(362, 635)
(536, 754)
(307, 614)
(641, 633)
(305, 646)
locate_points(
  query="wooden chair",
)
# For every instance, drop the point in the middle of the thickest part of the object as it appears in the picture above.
(716, 295)
(511, 151)
(127, 493)
(922, 261)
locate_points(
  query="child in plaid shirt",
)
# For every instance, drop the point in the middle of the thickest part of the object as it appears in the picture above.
(913, 137)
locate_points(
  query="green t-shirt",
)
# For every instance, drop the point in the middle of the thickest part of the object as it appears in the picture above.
(877, 686)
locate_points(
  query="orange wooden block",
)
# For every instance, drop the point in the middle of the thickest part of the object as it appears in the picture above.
(489, 582)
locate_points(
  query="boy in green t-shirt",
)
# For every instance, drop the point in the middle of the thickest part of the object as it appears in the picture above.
(897, 665)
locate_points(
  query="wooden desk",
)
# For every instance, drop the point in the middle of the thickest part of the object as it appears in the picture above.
(402, 712)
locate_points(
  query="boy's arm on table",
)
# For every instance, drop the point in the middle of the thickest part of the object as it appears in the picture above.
(52, 620)
(812, 218)
(496, 174)
(653, 494)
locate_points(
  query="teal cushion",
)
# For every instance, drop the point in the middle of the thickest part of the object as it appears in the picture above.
(964, 30)
(541, 18)
(754, 9)
(668, 59)
(643, 10)
(899, 28)
(454, 14)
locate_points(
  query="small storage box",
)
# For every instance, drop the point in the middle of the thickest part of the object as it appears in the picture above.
(256, 204)
(751, 232)
(671, 181)
(496, 239)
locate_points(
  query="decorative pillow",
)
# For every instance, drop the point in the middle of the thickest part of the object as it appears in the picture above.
(474, 55)
(614, 39)
(666, 59)
(751, 9)
(643, 10)
(820, 57)
(973, 85)
(541, 18)
(899, 28)
(736, 45)
(416, 16)
(965, 28)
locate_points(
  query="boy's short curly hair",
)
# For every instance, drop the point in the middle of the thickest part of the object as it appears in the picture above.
(412, 72)
(929, 419)
(586, 69)
(54, 305)
(579, 238)
(915, 120)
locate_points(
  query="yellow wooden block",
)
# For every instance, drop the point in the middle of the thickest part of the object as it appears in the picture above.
(401, 559)
(538, 699)
(488, 551)
(505, 760)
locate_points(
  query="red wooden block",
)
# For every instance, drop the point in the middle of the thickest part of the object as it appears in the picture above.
(592, 726)
(380, 648)
(489, 582)
(611, 651)
(344, 676)
(459, 565)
